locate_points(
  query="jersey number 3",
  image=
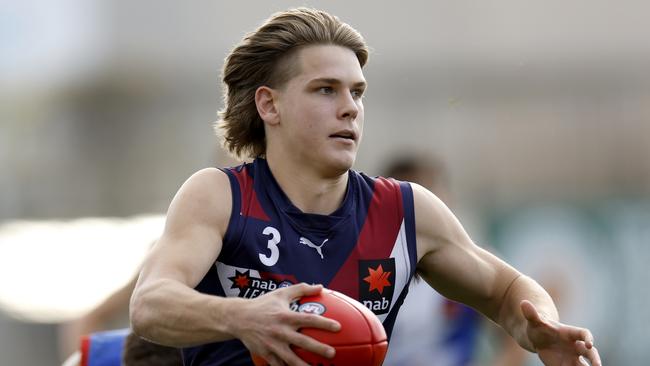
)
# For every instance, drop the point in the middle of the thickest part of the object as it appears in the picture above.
(272, 244)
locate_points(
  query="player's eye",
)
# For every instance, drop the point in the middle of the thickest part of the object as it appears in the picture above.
(357, 93)
(326, 90)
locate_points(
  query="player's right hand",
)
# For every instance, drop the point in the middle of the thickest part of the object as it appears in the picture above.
(268, 327)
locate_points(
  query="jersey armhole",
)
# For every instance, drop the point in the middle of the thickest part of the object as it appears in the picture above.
(234, 223)
(409, 222)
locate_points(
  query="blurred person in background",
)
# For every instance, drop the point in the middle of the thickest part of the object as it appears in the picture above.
(122, 348)
(294, 104)
(112, 313)
(103, 348)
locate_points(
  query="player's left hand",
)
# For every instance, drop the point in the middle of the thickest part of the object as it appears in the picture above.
(559, 344)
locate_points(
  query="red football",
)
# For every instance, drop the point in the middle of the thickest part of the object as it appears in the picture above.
(361, 341)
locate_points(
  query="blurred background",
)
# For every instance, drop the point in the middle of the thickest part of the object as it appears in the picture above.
(540, 112)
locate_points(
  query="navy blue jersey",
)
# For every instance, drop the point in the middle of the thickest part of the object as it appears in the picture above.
(365, 249)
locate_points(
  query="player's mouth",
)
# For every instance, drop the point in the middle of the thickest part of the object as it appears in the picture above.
(347, 135)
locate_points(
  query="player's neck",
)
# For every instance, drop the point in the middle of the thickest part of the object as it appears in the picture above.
(308, 190)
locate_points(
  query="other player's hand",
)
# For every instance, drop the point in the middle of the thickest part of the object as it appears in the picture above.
(559, 344)
(268, 327)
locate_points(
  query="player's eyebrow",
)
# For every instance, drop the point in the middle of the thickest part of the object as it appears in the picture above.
(334, 81)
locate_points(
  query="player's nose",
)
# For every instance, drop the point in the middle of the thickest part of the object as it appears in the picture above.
(349, 109)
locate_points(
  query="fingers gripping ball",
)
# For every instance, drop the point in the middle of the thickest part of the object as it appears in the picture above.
(361, 341)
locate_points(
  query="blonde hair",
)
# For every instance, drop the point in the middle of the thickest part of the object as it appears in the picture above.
(266, 57)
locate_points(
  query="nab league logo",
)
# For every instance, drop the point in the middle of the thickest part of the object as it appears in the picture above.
(252, 287)
(319, 248)
(376, 284)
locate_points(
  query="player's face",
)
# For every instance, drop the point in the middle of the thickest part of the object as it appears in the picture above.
(321, 109)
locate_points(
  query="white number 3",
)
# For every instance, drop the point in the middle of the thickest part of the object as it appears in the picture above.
(272, 244)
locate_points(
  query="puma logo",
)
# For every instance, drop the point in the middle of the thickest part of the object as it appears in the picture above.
(318, 248)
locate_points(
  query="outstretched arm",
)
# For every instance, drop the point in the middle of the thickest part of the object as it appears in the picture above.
(451, 263)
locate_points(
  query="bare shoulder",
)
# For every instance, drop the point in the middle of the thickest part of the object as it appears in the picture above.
(197, 220)
(206, 178)
(430, 211)
(204, 198)
(435, 224)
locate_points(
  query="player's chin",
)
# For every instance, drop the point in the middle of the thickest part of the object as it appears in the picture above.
(335, 158)
(343, 160)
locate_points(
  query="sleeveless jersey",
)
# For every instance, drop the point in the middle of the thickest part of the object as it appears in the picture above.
(365, 249)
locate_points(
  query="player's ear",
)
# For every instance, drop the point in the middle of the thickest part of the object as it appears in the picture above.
(265, 101)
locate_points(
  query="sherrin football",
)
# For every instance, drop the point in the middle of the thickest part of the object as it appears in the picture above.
(361, 341)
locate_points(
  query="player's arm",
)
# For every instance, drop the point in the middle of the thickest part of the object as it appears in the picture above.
(164, 306)
(460, 270)
(166, 309)
(451, 263)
